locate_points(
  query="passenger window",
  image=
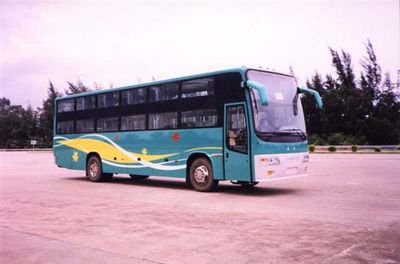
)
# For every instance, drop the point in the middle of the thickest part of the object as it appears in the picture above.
(107, 100)
(198, 87)
(163, 121)
(163, 92)
(236, 128)
(199, 118)
(133, 122)
(85, 126)
(65, 127)
(108, 124)
(65, 106)
(84, 103)
(134, 96)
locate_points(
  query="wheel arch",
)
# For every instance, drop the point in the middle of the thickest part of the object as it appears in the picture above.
(91, 154)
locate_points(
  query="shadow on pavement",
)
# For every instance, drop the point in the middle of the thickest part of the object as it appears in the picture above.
(224, 188)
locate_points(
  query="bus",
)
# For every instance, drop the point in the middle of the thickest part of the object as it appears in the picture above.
(241, 125)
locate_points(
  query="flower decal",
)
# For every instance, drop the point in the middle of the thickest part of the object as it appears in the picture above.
(75, 156)
(175, 137)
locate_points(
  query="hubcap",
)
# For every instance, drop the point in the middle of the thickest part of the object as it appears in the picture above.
(201, 174)
(93, 169)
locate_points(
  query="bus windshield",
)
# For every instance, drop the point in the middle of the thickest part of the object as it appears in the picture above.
(282, 119)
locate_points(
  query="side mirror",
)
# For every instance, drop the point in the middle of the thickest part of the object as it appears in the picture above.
(314, 93)
(261, 91)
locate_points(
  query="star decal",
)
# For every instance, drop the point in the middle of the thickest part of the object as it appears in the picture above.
(75, 156)
(175, 137)
(144, 151)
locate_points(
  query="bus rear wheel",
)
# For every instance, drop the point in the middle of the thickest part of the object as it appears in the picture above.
(201, 176)
(94, 170)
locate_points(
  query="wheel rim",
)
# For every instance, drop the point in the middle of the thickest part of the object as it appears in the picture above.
(201, 174)
(93, 169)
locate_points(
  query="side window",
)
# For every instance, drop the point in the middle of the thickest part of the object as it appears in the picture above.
(108, 124)
(163, 121)
(236, 128)
(65, 106)
(199, 118)
(107, 100)
(85, 126)
(84, 103)
(134, 96)
(133, 122)
(65, 127)
(163, 92)
(198, 87)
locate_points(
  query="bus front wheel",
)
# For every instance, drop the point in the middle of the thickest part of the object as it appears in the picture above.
(94, 170)
(201, 176)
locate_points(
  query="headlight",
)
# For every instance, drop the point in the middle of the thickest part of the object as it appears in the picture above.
(306, 158)
(271, 161)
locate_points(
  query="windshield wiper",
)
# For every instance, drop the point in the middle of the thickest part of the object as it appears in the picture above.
(298, 131)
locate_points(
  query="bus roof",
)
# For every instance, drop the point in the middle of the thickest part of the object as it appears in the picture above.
(242, 70)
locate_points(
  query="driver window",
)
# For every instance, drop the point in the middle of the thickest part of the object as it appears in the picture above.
(236, 128)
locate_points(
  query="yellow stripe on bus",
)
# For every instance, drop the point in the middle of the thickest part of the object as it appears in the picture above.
(107, 151)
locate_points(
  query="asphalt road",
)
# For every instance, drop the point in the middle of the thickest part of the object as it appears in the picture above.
(346, 211)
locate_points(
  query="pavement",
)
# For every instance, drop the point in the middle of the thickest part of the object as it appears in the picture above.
(346, 211)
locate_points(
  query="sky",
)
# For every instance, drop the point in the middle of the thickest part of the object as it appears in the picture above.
(118, 43)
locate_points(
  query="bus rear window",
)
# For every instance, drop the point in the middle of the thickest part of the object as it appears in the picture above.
(65, 106)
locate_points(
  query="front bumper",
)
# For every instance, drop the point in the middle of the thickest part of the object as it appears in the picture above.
(269, 167)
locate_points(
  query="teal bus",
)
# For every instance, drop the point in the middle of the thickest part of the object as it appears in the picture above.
(243, 125)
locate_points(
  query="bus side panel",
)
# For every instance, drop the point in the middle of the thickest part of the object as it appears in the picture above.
(63, 156)
(157, 152)
(218, 166)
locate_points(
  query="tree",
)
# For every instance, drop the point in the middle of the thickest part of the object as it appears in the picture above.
(384, 122)
(349, 108)
(17, 125)
(47, 116)
(4, 128)
(315, 119)
(77, 88)
(356, 111)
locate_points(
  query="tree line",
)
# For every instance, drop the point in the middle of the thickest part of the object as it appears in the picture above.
(363, 110)
(19, 125)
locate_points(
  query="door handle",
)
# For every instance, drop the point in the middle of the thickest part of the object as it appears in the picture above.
(227, 155)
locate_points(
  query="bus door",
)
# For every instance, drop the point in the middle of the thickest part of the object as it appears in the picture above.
(236, 137)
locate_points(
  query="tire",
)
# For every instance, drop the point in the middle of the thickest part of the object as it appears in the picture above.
(201, 176)
(94, 170)
(138, 177)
